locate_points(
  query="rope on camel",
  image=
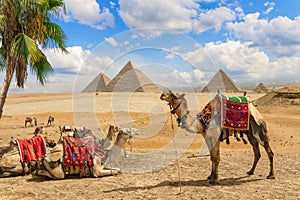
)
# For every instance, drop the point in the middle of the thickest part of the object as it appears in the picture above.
(177, 159)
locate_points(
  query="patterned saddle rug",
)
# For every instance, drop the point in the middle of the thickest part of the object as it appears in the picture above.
(32, 149)
(80, 152)
(233, 112)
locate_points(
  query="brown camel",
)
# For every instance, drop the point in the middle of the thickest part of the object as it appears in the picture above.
(257, 133)
(52, 167)
(50, 121)
(30, 120)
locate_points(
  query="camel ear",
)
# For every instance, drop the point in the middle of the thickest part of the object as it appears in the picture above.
(181, 96)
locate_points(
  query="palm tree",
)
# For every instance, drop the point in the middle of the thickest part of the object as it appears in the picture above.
(26, 28)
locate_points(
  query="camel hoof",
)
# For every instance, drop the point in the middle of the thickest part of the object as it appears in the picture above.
(209, 177)
(271, 176)
(250, 173)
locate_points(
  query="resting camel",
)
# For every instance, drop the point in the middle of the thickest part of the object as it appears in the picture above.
(51, 165)
(10, 160)
(256, 134)
(30, 120)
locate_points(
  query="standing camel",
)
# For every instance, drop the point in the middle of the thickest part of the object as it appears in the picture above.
(256, 133)
(50, 121)
(30, 120)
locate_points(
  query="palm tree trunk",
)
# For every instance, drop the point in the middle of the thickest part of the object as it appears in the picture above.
(6, 84)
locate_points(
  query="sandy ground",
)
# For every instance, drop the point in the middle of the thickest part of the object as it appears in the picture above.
(151, 170)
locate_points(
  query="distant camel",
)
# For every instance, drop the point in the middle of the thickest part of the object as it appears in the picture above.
(50, 121)
(257, 133)
(30, 120)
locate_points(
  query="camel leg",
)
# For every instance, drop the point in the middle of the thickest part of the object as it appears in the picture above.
(109, 171)
(256, 152)
(215, 159)
(270, 155)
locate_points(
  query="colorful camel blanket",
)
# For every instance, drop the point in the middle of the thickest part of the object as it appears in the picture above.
(32, 149)
(233, 112)
(81, 152)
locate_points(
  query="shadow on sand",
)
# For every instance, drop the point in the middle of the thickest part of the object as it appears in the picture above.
(39, 179)
(196, 183)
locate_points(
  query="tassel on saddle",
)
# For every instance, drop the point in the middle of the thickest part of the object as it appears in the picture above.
(225, 136)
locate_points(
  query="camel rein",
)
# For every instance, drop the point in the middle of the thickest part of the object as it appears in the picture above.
(180, 121)
(175, 149)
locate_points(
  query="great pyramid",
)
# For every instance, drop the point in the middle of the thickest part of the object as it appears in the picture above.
(130, 79)
(98, 84)
(221, 82)
(261, 88)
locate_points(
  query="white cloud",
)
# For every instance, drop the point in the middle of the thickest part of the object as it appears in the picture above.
(270, 6)
(279, 36)
(212, 19)
(111, 41)
(180, 15)
(194, 77)
(88, 12)
(244, 62)
(239, 12)
(66, 63)
(80, 65)
(183, 79)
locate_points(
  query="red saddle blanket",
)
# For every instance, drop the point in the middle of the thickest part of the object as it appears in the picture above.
(234, 112)
(32, 149)
(81, 151)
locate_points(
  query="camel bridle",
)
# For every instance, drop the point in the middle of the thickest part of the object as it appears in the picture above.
(180, 121)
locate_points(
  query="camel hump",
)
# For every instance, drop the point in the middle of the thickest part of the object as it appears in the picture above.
(258, 118)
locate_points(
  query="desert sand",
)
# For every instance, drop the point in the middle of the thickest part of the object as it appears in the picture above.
(149, 176)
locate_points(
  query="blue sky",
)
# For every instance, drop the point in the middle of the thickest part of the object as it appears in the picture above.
(175, 42)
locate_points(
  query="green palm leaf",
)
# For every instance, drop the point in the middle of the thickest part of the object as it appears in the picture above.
(55, 36)
(26, 48)
(42, 70)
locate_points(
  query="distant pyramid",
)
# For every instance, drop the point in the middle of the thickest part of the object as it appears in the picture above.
(221, 82)
(98, 84)
(130, 79)
(261, 88)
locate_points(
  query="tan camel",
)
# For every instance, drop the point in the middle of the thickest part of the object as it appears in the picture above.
(31, 120)
(52, 167)
(257, 134)
(50, 121)
(10, 161)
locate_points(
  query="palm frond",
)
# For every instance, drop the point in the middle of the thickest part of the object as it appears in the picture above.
(55, 36)
(26, 48)
(54, 7)
(42, 70)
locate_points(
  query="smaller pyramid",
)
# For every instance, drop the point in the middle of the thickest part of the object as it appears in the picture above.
(98, 84)
(221, 82)
(131, 79)
(261, 88)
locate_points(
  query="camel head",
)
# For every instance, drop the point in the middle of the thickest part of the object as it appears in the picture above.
(125, 135)
(112, 131)
(177, 103)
